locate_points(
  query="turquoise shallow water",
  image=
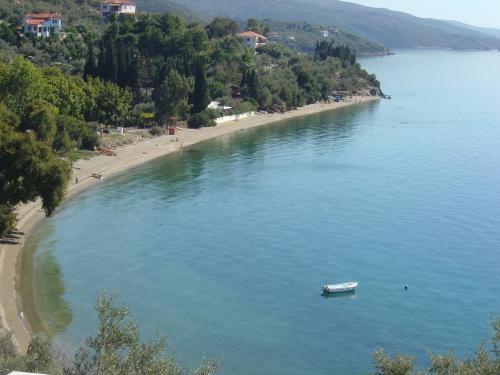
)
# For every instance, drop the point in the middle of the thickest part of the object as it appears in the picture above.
(225, 247)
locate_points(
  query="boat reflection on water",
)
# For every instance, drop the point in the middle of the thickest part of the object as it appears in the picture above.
(350, 294)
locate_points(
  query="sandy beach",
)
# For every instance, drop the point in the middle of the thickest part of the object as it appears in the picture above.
(29, 215)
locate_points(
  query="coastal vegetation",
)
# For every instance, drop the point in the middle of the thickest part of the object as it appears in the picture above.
(117, 349)
(303, 36)
(55, 94)
(44, 115)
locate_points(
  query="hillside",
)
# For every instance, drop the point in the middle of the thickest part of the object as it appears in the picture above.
(485, 30)
(392, 29)
(166, 6)
(85, 12)
(303, 36)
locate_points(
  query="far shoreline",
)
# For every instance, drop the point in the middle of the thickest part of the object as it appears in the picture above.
(30, 215)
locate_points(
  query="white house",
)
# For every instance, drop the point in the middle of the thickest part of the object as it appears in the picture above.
(252, 39)
(42, 24)
(109, 7)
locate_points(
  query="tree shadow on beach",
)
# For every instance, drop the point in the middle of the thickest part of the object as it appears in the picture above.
(13, 238)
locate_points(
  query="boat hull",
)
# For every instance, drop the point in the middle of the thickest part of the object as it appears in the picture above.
(340, 288)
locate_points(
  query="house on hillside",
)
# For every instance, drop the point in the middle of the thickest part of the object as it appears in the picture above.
(42, 24)
(109, 7)
(252, 39)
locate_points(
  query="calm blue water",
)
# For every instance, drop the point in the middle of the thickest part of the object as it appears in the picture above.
(225, 247)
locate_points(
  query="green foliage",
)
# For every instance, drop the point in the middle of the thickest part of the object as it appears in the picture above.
(7, 347)
(38, 356)
(399, 365)
(326, 49)
(106, 102)
(220, 27)
(483, 362)
(156, 131)
(302, 36)
(20, 84)
(116, 348)
(81, 134)
(28, 167)
(171, 98)
(200, 98)
(40, 117)
(7, 224)
(254, 25)
(201, 119)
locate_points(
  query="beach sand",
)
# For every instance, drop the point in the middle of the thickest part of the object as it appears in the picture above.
(29, 215)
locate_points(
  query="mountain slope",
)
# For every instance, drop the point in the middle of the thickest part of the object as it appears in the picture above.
(485, 30)
(166, 6)
(393, 29)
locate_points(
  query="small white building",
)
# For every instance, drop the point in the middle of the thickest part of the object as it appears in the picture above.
(42, 24)
(109, 7)
(252, 39)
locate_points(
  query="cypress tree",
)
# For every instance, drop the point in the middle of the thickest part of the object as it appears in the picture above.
(200, 97)
(101, 61)
(90, 68)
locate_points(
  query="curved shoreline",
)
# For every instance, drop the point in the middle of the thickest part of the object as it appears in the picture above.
(30, 215)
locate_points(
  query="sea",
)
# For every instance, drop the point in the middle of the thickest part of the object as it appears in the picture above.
(225, 247)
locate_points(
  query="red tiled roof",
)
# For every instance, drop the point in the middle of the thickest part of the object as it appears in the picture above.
(42, 16)
(251, 34)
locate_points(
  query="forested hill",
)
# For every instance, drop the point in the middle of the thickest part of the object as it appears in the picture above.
(85, 12)
(392, 29)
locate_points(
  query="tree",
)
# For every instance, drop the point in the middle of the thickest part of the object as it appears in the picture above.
(221, 26)
(483, 362)
(90, 68)
(116, 349)
(21, 83)
(106, 102)
(40, 117)
(201, 119)
(399, 365)
(171, 97)
(254, 25)
(200, 98)
(28, 169)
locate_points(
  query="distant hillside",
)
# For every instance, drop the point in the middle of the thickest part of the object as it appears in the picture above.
(303, 37)
(392, 29)
(485, 30)
(166, 6)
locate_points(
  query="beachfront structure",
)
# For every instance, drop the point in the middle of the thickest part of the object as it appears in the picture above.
(109, 7)
(252, 39)
(42, 24)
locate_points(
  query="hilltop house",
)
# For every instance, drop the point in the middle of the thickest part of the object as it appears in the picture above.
(42, 24)
(252, 39)
(109, 7)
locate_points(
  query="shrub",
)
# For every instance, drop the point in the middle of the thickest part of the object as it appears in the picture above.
(200, 120)
(156, 131)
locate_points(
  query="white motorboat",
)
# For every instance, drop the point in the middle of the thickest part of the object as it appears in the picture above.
(340, 288)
